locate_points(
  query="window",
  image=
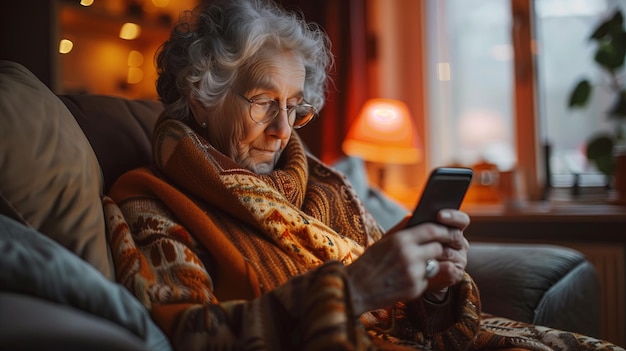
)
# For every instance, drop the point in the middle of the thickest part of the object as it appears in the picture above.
(470, 82)
(472, 86)
(565, 56)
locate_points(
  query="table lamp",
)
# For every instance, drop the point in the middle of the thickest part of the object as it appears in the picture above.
(384, 132)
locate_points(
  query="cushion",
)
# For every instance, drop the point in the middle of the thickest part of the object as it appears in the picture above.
(124, 141)
(386, 211)
(58, 327)
(32, 264)
(50, 179)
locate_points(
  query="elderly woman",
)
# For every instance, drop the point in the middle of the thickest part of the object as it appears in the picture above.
(236, 238)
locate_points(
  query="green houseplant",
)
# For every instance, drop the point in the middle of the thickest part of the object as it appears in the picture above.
(610, 40)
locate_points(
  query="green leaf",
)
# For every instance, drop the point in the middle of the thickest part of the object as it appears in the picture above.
(618, 19)
(609, 27)
(616, 36)
(608, 56)
(599, 146)
(618, 108)
(601, 31)
(600, 152)
(619, 43)
(605, 164)
(619, 40)
(580, 94)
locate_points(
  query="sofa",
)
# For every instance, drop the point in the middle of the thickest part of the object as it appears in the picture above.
(60, 154)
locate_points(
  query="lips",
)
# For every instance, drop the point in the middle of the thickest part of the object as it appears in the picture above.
(265, 152)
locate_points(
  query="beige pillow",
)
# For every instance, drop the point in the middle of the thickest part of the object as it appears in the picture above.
(50, 178)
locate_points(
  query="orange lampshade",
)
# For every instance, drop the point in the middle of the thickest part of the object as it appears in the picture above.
(384, 132)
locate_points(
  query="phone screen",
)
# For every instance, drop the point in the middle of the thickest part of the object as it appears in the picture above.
(445, 188)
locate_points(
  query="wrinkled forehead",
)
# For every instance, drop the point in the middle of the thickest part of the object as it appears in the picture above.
(260, 71)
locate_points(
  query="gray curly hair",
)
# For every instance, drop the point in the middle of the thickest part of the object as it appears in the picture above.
(217, 44)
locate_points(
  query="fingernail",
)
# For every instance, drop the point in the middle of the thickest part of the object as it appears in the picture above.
(445, 214)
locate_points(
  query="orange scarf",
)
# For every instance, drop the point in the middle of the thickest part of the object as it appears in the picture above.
(304, 208)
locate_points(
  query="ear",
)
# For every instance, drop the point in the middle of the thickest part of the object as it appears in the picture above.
(198, 110)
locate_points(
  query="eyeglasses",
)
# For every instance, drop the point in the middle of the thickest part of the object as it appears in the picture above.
(264, 110)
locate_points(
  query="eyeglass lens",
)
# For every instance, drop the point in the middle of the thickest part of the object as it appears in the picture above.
(265, 110)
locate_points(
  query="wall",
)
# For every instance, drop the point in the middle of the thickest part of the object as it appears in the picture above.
(28, 36)
(398, 72)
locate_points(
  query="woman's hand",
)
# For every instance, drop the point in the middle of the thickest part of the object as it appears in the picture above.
(453, 260)
(394, 268)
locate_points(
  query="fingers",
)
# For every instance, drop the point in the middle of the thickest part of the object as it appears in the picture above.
(449, 274)
(407, 252)
(432, 268)
(432, 232)
(453, 218)
(420, 269)
(457, 241)
(452, 263)
(402, 266)
(411, 260)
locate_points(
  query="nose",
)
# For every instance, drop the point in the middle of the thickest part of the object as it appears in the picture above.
(279, 127)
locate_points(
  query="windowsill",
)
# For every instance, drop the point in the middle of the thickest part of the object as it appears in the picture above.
(584, 201)
(589, 216)
(538, 210)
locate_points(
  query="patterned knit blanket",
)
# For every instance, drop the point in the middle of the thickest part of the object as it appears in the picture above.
(227, 259)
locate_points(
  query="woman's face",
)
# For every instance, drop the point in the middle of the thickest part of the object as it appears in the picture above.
(257, 146)
(260, 146)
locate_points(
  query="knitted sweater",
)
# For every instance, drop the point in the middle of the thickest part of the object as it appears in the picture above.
(227, 259)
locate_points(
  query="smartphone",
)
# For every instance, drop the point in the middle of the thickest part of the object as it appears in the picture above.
(445, 188)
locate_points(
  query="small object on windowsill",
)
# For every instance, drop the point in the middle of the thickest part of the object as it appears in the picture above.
(576, 186)
(485, 187)
(619, 176)
(514, 191)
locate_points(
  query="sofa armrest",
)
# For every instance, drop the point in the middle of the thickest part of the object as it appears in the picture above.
(539, 284)
(30, 323)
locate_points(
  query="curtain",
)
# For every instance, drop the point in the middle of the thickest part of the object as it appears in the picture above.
(345, 23)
